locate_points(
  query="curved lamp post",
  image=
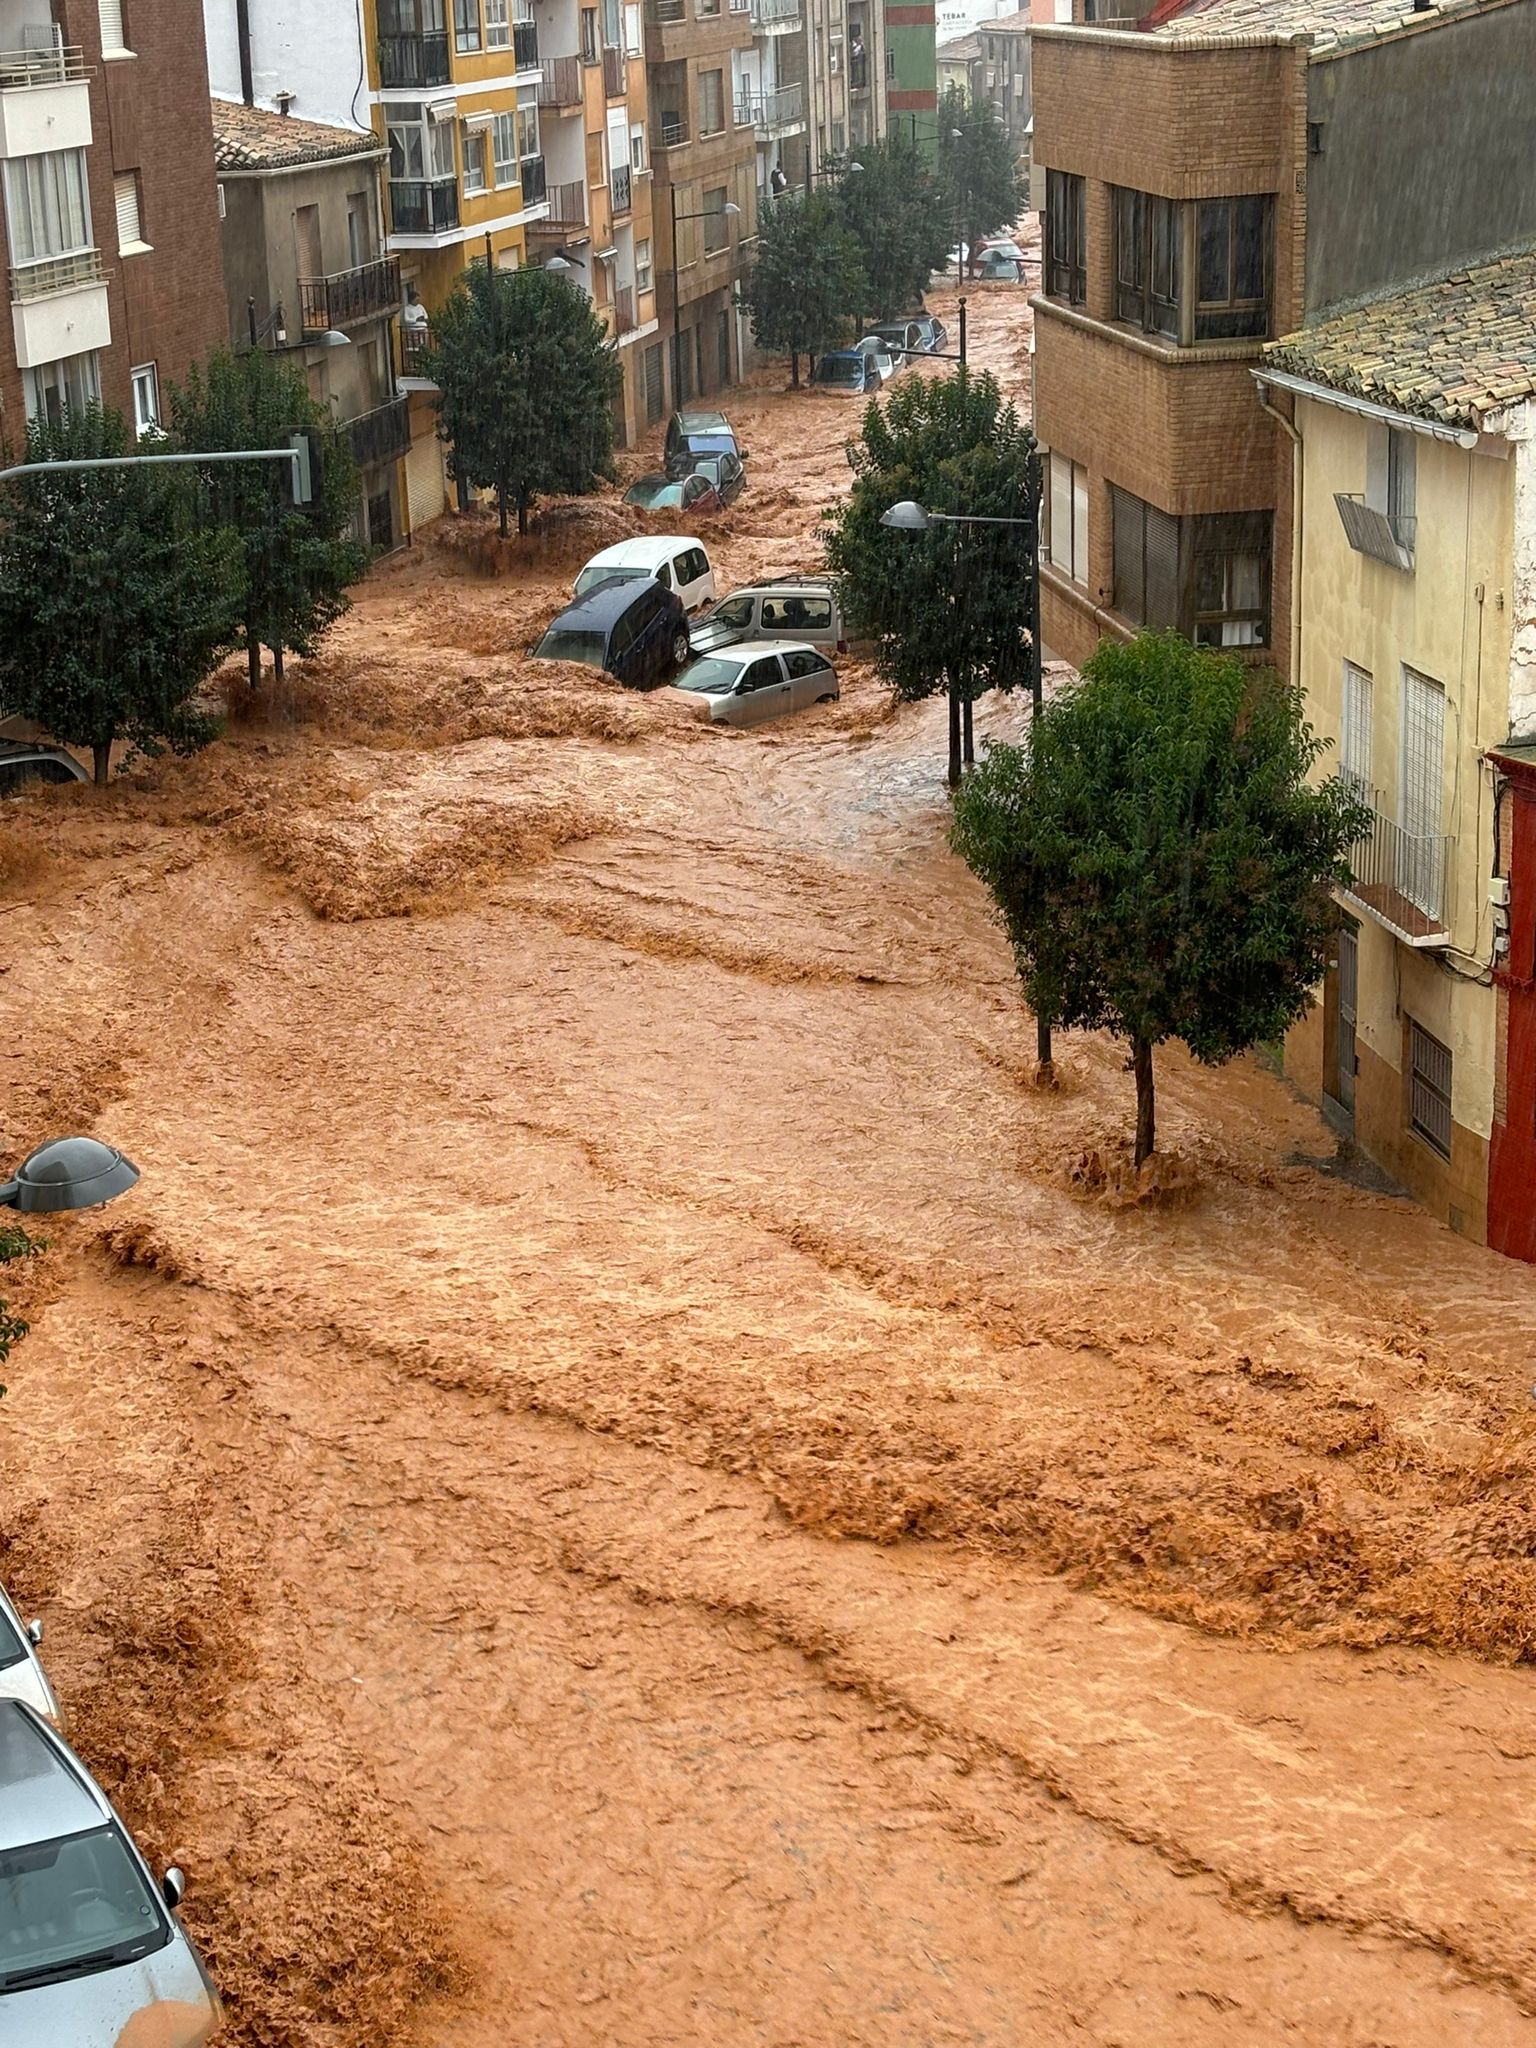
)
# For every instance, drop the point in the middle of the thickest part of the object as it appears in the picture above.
(67, 1173)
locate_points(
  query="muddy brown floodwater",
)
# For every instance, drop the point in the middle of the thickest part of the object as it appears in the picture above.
(604, 1489)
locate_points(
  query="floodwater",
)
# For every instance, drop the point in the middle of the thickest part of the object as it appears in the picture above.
(607, 1488)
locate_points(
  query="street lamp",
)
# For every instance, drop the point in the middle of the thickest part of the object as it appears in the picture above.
(907, 516)
(832, 171)
(556, 262)
(730, 211)
(68, 1173)
(277, 327)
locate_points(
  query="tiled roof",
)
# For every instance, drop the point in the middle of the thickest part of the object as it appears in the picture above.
(254, 139)
(1326, 24)
(1454, 348)
(961, 50)
(1015, 24)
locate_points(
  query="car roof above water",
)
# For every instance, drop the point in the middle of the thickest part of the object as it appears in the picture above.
(42, 1795)
(649, 551)
(602, 605)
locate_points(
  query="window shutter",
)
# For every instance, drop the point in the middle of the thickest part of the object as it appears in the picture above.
(125, 189)
(111, 12)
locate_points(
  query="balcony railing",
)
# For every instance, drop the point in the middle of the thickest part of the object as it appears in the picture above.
(624, 309)
(622, 188)
(53, 64)
(858, 74)
(1374, 533)
(671, 130)
(567, 206)
(423, 206)
(57, 274)
(525, 45)
(560, 82)
(775, 13)
(416, 353)
(530, 175)
(347, 296)
(615, 74)
(1400, 878)
(382, 435)
(769, 111)
(414, 60)
(665, 12)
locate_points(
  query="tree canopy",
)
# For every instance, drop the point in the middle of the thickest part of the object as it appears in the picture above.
(803, 291)
(297, 560)
(1160, 856)
(895, 211)
(526, 383)
(117, 595)
(984, 189)
(947, 609)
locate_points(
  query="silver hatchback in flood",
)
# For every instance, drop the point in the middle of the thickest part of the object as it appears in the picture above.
(758, 680)
(91, 1952)
(22, 1677)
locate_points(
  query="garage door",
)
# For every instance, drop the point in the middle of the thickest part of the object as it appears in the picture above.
(426, 486)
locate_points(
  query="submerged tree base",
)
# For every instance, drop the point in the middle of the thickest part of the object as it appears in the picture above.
(1111, 1175)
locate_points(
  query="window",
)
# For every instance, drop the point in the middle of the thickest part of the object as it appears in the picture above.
(498, 24)
(637, 149)
(798, 614)
(504, 147)
(634, 34)
(589, 35)
(359, 229)
(1232, 240)
(418, 148)
(47, 206)
(1067, 513)
(1391, 479)
(146, 400)
(1420, 858)
(716, 225)
(711, 102)
(643, 266)
(466, 25)
(1429, 1089)
(110, 14)
(528, 122)
(613, 24)
(1355, 734)
(1066, 236)
(65, 386)
(805, 663)
(655, 399)
(306, 236)
(1208, 576)
(130, 232)
(472, 150)
(1148, 573)
(1148, 261)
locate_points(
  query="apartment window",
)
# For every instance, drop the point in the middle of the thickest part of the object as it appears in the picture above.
(1148, 261)
(890, 61)
(613, 24)
(113, 33)
(839, 139)
(466, 26)
(1429, 1089)
(1067, 513)
(1232, 269)
(527, 122)
(1355, 736)
(716, 226)
(1066, 237)
(589, 35)
(498, 24)
(359, 229)
(637, 149)
(472, 150)
(1208, 577)
(1148, 569)
(1391, 479)
(146, 400)
(130, 229)
(1419, 860)
(418, 148)
(69, 385)
(504, 147)
(634, 34)
(47, 206)
(643, 278)
(711, 102)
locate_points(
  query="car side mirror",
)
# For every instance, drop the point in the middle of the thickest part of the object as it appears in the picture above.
(742, 690)
(173, 1886)
(745, 453)
(34, 1633)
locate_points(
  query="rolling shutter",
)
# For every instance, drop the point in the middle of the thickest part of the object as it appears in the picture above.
(125, 190)
(111, 12)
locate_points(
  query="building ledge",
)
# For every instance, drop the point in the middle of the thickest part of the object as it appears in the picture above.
(1146, 344)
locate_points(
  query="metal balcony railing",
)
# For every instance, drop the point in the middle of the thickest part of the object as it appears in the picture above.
(57, 274)
(623, 192)
(615, 74)
(1401, 878)
(775, 13)
(560, 82)
(671, 130)
(525, 45)
(382, 435)
(665, 12)
(50, 64)
(530, 175)
(416, 353)
(567, 207)
(1374, 533)
(423, 206)
(766, 112)
(624, 309)
(347, 296)
(414, 60)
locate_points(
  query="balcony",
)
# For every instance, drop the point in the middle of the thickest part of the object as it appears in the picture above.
(1375, 533)
(56, 274)
(530, 175)
(59, 308)
(622, 184)
(772, 113)
(416, 355)
(49, 64)
(858, 74)
(664, 13)
(671, 129)
(45, 101)
(423, 206)
(525, 45)
(775, 17)
(413, 62)
(383, 435)
(615, 75)
(560, 82)
(349, 296)
(1400, 879)
(624, 309)
(567, 214)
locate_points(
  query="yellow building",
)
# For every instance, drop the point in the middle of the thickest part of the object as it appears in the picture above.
(1415, 639)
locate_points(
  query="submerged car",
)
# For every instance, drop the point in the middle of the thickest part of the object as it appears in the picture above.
(635, 630)
(22, 1677)
(674, 560)
(998, 267)
(760, 680)
(802, 609)
(933, 335)
(723, 471)
(698, 433)
(845, 369)
(691, 493)
(904, 339)
(91, 1952)
(24, 765)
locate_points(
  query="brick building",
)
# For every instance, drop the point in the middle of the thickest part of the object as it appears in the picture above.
(111, 230)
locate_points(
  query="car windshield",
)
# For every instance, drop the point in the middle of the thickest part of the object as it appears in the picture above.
(652, 491)
(573, 643)
(710, 467)
(12, 1649)
(840, 370)
(715, 678)
(593, 575)
(74, 1905)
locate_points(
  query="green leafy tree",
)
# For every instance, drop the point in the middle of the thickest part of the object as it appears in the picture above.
(947, 609)
(116, 595)
(894, 209)
(15, 1244)
(1161, 858)
(526, 383)
(806, 283)
(984, 189)
(298, 560)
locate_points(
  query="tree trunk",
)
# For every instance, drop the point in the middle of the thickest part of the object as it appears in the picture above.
(101, 755)
(522, 511)
(954, 740)
(1146, 1106)
(969, 736)
(501, 509)
(277, 662)
(794, 369)
(252, 659)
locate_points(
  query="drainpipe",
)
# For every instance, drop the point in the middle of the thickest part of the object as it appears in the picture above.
(1298, 507)
(243, 37)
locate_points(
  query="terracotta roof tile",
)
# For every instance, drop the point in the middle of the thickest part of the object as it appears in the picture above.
(1326, 24)
(255, 139)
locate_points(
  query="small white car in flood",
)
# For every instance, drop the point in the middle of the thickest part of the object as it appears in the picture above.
(22, 1677)
(675, 560)
(759, 680)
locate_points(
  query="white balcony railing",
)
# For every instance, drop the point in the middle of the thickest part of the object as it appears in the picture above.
(56, 274)
(48, 64)
(1401, 879)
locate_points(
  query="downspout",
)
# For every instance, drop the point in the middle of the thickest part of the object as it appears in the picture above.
(1298, 507)
(243, 37)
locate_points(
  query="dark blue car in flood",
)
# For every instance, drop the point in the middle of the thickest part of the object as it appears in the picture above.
(633, 628)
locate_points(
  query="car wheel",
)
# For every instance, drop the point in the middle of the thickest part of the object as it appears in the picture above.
(827, 697)
(682, 647)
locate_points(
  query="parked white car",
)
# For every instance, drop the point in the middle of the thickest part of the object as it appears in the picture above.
(675, 560)
(22, 1677)
(758, 680)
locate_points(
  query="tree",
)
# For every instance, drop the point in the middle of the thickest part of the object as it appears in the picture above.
(526, 384)
(806, 283)
(979, 175)
(947, 609)
(894, 209)
(1161, 860)
(15, 1244)
(298, 560)
(116, 595)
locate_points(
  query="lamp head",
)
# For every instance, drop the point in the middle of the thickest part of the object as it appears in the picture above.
(68, 1173)
(905, 517)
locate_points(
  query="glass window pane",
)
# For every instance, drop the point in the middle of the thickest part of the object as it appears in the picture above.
(1215, 269)
(1248, 239)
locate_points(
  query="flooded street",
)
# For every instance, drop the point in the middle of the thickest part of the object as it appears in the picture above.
(605, 1488)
